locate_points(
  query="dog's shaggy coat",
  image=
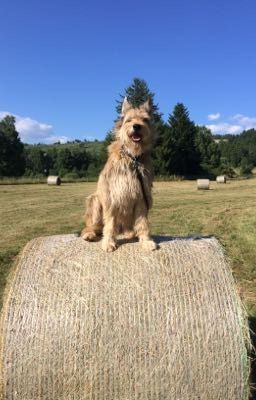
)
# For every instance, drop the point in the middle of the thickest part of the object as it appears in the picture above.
(123, 196)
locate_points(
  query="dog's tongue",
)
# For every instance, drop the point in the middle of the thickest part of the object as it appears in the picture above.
(136, 137)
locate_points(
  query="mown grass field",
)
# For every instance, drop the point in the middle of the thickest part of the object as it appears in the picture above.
(226, 211)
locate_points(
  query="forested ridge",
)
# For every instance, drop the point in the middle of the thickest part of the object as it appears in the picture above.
(182, 147)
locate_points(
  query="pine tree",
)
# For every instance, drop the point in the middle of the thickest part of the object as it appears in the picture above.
(159, 149)
(179, 150)
(137, 93)
(11, 149)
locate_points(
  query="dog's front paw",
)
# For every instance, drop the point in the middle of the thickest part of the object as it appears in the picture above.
(149, 245)
(90, 236)
(109, 245)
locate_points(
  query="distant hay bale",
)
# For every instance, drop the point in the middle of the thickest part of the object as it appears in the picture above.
(82, 324)
(221, 179)
(203, 184)
(53, 180)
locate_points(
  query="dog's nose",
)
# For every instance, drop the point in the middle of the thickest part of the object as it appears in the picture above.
(136, 127)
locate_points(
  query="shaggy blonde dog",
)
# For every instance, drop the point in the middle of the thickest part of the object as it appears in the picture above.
(123, 196)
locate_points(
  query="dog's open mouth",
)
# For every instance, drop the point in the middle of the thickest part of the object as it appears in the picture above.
(136, 137)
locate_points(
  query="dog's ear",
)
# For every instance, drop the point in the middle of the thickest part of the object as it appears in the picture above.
(125, 106)
(147, 106)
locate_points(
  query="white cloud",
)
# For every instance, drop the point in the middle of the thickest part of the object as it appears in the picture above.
(32, 131)
(213, 117)
(235, 125)
(223, 128)
(244, 121)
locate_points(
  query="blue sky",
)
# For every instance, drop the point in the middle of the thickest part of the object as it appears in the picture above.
(64, 63)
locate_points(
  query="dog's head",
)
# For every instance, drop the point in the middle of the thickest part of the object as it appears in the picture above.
(134, 129)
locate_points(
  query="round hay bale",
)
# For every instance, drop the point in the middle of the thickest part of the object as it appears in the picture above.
(221, 179)
(53, 180)
(79, 323)
(203, 184)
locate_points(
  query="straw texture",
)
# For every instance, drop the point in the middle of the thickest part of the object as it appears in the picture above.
(81, 324)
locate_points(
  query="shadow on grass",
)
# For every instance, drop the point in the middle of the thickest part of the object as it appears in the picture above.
(252, 326)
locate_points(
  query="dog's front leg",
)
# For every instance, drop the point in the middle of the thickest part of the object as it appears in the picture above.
(141, 228)
(109, 231)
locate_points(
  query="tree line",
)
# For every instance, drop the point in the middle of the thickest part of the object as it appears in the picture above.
(182, 148)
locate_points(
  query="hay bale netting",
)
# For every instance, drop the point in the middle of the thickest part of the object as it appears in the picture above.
(79, 323)
(221, 179)
(203, 184)
(53, 180)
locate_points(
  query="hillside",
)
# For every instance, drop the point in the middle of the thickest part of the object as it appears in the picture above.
(93, 147)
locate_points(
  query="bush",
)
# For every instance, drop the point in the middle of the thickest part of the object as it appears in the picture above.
(227, 170)
(71, 176)
(245, 167)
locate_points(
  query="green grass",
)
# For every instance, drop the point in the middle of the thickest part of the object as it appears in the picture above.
(226, 211)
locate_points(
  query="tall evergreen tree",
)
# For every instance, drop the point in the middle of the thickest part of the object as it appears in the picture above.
(137, 93)
(179, 149)
(11, 149)
(159, 149)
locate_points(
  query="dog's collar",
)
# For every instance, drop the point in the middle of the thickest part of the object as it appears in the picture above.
(135, 159)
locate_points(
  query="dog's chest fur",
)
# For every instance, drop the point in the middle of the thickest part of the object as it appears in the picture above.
(123, 184)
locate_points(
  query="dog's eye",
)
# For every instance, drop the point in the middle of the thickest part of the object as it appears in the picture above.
(146, 120)
(128, 120)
